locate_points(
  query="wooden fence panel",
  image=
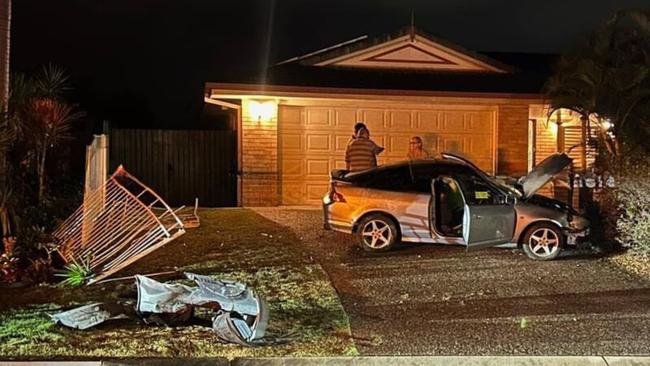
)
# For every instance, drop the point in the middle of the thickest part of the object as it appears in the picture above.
(180, 165)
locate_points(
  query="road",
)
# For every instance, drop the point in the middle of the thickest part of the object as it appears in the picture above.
(435, 299)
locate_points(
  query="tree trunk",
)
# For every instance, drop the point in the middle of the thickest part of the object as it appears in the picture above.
(41, 174)
(5, 37)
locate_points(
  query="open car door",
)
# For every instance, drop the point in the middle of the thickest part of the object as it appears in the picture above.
(488, 220)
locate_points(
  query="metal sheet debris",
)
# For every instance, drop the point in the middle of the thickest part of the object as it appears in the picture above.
(245, 313)
(239, 315)
(88, 316)
(117, 225)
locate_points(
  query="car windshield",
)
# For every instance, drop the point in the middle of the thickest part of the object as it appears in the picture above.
(507, 188)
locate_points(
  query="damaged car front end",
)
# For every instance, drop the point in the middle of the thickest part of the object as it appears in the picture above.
(534, 209)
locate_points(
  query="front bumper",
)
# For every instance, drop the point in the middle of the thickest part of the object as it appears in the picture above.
(575, 237)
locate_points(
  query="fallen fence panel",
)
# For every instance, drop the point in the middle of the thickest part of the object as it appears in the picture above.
(117, 225)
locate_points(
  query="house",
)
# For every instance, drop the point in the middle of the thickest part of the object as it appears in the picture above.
(294, 127)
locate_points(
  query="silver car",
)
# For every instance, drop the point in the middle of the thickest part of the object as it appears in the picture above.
(451, 201)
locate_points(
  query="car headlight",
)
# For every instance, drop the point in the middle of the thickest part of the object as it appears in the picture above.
(578, 223)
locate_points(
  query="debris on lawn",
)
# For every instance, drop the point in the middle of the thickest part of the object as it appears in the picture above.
(90, 315)
(117, 225)
(240, 316)
(190, 219)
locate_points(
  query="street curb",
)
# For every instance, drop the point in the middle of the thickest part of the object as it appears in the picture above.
(425, 360)
(627, 360)
(50, 363)
(199, 361)
(360, 361)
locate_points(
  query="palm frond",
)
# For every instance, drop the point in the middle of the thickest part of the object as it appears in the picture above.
(52, 82)
(76, 273)
(50, 121)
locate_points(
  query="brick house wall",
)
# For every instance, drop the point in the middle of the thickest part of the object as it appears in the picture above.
(512, 140)
(259, 149)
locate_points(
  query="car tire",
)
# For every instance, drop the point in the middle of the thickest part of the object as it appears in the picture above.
(377, 233)
(543, 241)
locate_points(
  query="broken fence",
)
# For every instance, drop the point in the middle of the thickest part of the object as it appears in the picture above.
(116, 226)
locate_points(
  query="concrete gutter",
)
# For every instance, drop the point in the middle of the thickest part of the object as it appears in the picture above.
(362, 361)
(447, 361)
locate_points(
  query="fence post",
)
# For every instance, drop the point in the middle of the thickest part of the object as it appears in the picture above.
(96, 174)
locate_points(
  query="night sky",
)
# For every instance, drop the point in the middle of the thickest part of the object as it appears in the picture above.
(142, 63)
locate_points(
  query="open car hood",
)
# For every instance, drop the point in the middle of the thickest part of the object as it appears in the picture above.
(543, 173)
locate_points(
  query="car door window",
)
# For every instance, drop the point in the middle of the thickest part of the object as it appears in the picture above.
(477, 191)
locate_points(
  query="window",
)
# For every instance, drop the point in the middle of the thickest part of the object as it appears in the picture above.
(392, 179)
(477, 191)
(423, 174)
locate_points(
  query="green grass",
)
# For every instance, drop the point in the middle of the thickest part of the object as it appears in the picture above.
(229, 245)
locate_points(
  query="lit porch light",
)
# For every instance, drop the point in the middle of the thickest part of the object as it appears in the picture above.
(262, 111)
(607, 124)
(551, 126)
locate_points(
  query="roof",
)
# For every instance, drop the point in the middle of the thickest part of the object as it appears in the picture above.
(398, 164)
(494, 73)
(348, 78)
(364, 43)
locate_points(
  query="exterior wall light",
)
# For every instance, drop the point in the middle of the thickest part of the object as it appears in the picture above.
(607, 125)
(261, 111)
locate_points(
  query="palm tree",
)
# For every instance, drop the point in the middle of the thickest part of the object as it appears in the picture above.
(5, 38)
(39, 118)
(607, 79)
(49, 123)
(5, 31)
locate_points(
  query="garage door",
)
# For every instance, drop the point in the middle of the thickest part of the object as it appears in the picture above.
(312, 140)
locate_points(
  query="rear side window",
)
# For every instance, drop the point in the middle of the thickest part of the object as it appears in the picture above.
(423, 174)
(393, 179)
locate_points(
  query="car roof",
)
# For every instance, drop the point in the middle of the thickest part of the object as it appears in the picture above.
(412, 163)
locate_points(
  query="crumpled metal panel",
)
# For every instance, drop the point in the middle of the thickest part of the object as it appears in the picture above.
(225, 296)
(231, 296)
(88, 316)
(231, 330)
(241, 316)
(157, 297)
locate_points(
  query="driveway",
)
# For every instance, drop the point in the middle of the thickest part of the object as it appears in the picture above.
(434, 299)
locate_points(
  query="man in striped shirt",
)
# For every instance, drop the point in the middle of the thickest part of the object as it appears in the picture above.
(361, 153)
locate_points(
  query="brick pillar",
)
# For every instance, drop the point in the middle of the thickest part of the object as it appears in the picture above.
(259, 148)
(512, 140)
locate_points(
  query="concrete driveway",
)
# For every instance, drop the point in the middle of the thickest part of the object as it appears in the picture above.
(434, 299)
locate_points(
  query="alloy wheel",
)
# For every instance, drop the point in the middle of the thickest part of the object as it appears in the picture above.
(376, 234)
(544, 242)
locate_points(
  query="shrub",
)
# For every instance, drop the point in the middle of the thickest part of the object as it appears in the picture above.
(627, 207)
(76, 273)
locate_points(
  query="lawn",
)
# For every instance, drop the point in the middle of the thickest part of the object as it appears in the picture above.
(232, 244)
